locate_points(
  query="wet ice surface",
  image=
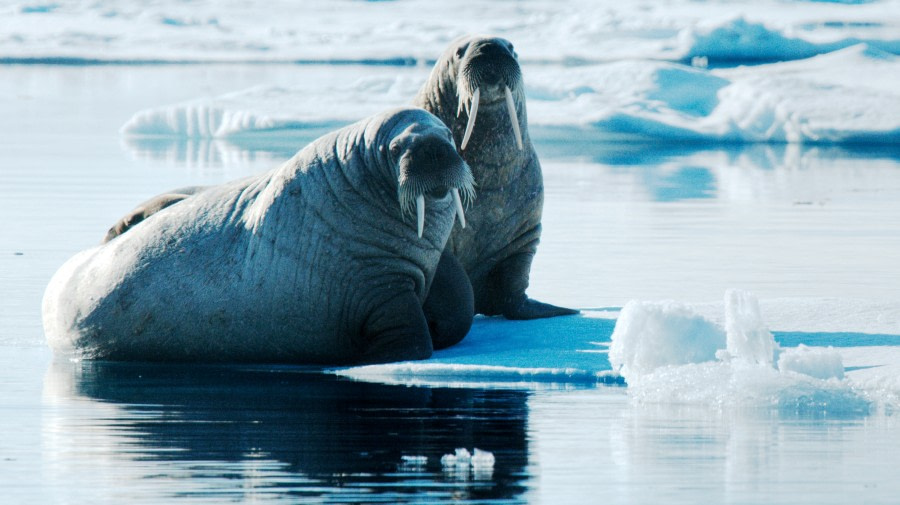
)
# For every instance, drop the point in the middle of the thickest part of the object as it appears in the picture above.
(813, 232)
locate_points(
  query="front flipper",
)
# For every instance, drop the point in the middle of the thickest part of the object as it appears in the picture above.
(533, 309)
(504, 292)
(450, 305)
(396, 331)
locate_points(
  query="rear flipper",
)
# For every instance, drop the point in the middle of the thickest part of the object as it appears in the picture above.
(450, 305)
(148, 208)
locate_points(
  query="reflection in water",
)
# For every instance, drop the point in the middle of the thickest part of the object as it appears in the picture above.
(209, 431)
(664, 172)
(683, 184)
(652, 453)
(230, 153)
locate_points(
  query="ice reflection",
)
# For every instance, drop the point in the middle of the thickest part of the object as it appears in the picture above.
(656, 172)
(211, 433)
(670, 453)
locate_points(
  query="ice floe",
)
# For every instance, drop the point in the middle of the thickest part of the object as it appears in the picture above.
(842, 97)
(574, 31)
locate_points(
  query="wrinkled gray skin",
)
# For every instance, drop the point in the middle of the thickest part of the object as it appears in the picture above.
(504, 223)
(313, 262)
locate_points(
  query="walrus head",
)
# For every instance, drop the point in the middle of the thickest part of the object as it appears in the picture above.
(488, 74)
(428, 167)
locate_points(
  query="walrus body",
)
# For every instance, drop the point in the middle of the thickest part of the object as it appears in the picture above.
(476, 89)
(317, 261)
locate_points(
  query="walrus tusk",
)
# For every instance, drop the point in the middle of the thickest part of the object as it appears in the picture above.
(513, 117)
(420, 213)
(472, 113)
(460, 214)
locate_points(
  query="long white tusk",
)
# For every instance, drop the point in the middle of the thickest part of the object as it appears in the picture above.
(513, 117)
(472, 113)
(420, 214)
(460, 214)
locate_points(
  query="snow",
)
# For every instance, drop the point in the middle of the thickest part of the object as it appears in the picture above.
(653, 334)
(574, 31)
(598, 68)
(742, 374)
(746, 335)
(720, 354)
(815, 362)
(846, 96)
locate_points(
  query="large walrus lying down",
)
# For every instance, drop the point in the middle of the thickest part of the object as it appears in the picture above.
(326, 259)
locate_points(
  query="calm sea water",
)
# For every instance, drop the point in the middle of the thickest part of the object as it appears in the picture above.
(622, 221)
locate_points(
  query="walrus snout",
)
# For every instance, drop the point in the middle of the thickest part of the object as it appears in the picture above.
(491, 65)
(488, 72)
(431, 167)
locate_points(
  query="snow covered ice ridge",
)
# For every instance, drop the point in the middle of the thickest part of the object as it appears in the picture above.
(847, 96)
(574, 31)
(670, 354)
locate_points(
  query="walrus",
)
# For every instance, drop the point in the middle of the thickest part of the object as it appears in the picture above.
(324, 260)
(148, 208)
(476, 89)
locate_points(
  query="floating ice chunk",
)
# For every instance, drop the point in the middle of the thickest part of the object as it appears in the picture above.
(461, 457)
(746, 335)
(464, 465)
(478, 459)
(414, 460)
(670, 354)
(821, 363)
(482, 459)
(649, 335)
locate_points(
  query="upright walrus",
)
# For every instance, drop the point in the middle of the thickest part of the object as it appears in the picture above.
(326, 259)
(476, 89)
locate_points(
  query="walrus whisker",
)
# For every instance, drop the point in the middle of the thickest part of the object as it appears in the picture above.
(472, 113)
(420, 214)
(460, 213)
(513, 117)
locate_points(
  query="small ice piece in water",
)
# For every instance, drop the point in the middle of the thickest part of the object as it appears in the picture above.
(465, 465)
(414, 460)
(478, 458)
(821, 363)
(482, 459)
(462, 457)
(747, 337)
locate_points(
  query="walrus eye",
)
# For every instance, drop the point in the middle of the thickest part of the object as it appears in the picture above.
(395, 149)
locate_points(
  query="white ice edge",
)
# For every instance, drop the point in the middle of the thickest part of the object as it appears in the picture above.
(420, 373)
(842, 97)
(673, 354)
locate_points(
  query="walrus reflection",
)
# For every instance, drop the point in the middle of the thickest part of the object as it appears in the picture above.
(322, 426)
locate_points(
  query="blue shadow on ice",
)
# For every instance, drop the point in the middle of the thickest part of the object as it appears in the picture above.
(834, 339)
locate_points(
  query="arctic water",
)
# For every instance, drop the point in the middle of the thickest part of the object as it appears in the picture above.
(812, 231)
